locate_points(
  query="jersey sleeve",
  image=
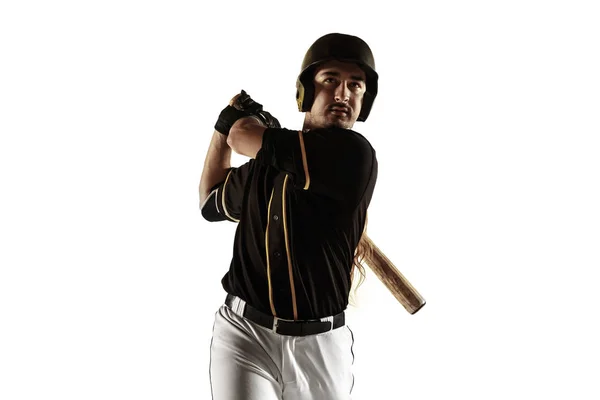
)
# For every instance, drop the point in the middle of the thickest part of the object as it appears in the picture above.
(225, 200)
(338, 163)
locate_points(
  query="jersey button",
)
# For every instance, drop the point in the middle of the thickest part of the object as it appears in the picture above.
(276, 217)
(277, 254)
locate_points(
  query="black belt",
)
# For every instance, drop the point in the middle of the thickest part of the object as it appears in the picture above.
(287, 327)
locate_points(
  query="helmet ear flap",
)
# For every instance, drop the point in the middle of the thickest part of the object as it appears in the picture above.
(367, 104)
(305, 93)
(300, 95)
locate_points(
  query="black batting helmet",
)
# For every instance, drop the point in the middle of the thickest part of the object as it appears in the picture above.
(341, 47)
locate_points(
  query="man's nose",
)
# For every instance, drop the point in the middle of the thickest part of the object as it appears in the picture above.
(342, 93)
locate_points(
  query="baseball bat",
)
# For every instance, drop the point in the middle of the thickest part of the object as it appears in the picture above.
(393, 279)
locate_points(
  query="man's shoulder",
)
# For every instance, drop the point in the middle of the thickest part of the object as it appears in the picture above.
(356, 138)
(342, 132)
(340, 136)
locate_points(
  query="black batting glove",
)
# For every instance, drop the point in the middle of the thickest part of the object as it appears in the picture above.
(227, 118)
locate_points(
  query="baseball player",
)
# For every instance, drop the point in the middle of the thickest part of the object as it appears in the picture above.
(300, 203)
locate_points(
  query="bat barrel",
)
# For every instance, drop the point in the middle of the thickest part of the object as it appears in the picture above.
(393, 279)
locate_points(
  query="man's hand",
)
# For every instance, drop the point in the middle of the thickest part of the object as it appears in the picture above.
(227, 118)
(244, 103)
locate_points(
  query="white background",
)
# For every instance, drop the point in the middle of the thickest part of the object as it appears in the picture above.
(486, 131)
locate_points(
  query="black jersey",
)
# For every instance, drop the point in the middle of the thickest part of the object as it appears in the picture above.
(301, 207)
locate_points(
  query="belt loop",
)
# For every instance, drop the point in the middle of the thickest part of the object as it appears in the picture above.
(238, 305)
(330, 320)
(242, 307)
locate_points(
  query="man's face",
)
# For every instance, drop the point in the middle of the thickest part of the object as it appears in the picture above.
(339, 91)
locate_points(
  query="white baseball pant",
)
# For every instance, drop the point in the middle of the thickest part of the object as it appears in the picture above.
(251, 362)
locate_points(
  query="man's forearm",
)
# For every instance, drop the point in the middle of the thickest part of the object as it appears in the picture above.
(216, 164)
(245, 137)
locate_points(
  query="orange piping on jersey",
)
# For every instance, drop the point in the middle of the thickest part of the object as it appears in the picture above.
(267, 251)
(287, 250)
(223, 198)
(304, 161)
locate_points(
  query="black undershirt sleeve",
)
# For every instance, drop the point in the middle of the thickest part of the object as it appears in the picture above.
(225, 200)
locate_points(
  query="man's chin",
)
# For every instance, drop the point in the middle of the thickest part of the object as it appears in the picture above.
(335, 121)
(339, 124)
(330, 121)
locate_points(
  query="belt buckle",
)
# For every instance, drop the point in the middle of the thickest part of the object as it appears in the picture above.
(327, 320)
(276, 322)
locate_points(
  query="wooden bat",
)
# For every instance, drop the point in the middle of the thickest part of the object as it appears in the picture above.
(393, 279)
